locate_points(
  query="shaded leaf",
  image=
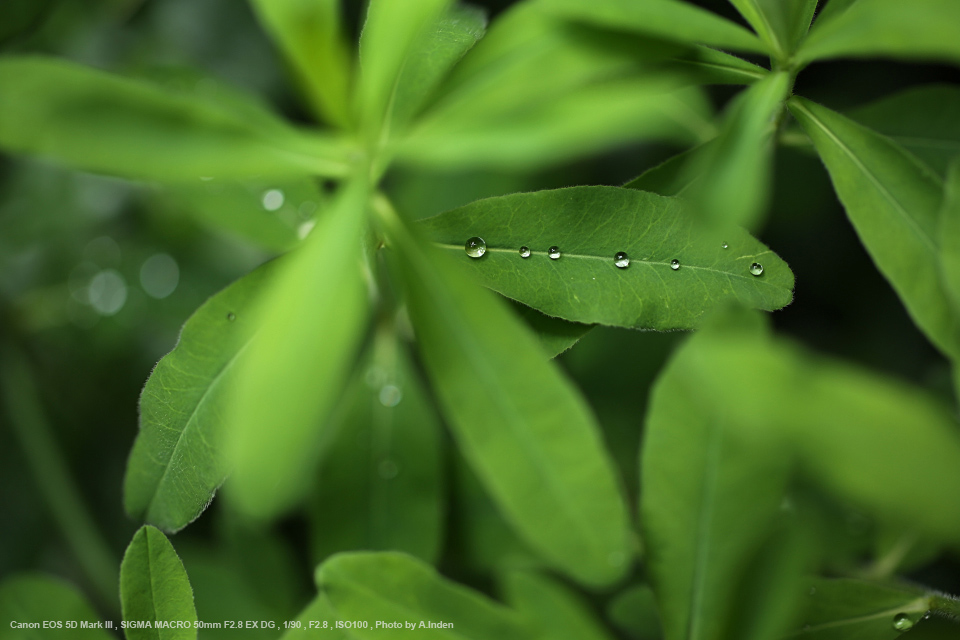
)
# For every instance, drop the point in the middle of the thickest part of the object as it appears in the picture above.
(950, 236)
(669, 178)
(843, 609)
(154, 588)
(634, 612)
(35, 598)
(590, 225)
(555, 335)
(556, 610)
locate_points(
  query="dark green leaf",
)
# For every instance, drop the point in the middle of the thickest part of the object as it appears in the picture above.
(519, 422)
(35, 598)
(99, 122)
(780, 23)
(556, 610)
(555, 335)
(590, 225)
(950, 236)
(308, 324)
(380, 486)
(396, 588)
(858, 610)
(177, 462)
(893, 201)
(634, 612)
(154, 588)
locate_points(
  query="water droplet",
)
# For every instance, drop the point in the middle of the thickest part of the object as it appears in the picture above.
(674, 264)
(272, 199)
(554, 252)
(621, 260)
(725, 245)
(475, 247)
(524, 252)
(231, 316)
(159, 275)
(107, 292)
(390, 395)
(756, 268)
(902, 622)
(388, 469)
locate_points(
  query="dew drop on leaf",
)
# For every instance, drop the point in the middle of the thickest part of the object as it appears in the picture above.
(475, 247)
(388, 469)
(524, 252)
(390, 395)
(231, 316)
(674, 264)
(272, 199)
(554, 252)
(621, 260)
(756, 268)
(902, 622)
(725, 245)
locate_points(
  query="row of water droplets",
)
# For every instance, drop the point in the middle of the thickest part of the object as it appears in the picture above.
(476, 247)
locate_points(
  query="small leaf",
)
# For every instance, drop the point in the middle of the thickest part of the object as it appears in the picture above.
(396, 588)
(634, 612)
(520, 423)
(780, 23)
(308, 323)
(99, 122)
(918, 30)
(310, 34)
(893, 201)
(154, 588)
(380, 485)
(950, 236)
(590, 225)
(35, 598)
(844, 609)
(559, 612)
(177, 461)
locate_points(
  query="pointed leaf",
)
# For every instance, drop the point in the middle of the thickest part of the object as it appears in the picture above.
(177, 461)
(154, 588)
(780, 23)
(35, 598)
(670, 177)
(308, 325)
(918, 30)
(843, 609)
(99, 122)
(893, 201)
(523, 427)
(950, 236)
(703, 65)
(590, 225)
(559, 612)
(397, 588)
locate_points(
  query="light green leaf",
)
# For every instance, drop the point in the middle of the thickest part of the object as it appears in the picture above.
(35, 598)
(154, 588)
(923, 120)
(634, 612)
(312, 620)
(667, 19)
(380, 485)
(519, 422)
(397, 588)
(843, 609)
(734, 173)
(703, 65)
(669, 178)
(99, 122)
(709, 497)
(893, 201)
(950, 236)
(780, 23)
(308, 326)
(310, 34)
(916, 30)
(590, 225)
(556, 610)
(177, 461)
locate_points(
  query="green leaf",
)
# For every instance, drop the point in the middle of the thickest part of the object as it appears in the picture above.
(380, 486)
(312, 620)
(557, 611)
(669, 178)
(843, 609)
(734, 173)
(154, 588)
(833, 9)
(893, 201)
(177, 461)
(950, 236)
(99, 122)
(666, 19)
(703, 65)
(590, 225)
(709, 497)
(520, 423)
(555, 335)
(394, 587)
(634, 612)
(309, 323)
(35, 598)
(310, 34)
(780, 23)
(921, 119)
(918, 30)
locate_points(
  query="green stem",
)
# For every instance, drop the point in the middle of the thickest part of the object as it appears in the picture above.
(50, 472)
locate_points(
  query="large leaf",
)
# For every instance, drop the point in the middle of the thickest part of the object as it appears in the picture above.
(590, 225)
(100, 122)
(308, 325)
(780, 23)
(734, 172)
(380, 486)
(33, 599)
(950, 236)
(920, 29)
(177, 461)
(893, 201)
(154, 588)
(553, 608)
(519, 422)
(858, 610)
(393, 587)
(667, 19)
(923, 120)
(309, 32)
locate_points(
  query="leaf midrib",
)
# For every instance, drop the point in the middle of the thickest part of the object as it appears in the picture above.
(914, 606)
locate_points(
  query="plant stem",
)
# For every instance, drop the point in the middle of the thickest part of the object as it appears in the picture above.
(50, 472)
